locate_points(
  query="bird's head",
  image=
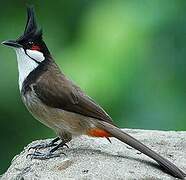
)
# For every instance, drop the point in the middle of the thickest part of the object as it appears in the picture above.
(31, 42)
(30, 48)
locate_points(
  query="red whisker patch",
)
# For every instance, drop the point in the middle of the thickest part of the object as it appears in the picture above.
(36, 47)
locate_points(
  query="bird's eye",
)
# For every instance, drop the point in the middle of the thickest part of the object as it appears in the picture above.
(30, 42)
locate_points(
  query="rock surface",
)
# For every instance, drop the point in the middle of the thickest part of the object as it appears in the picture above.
(95, 158)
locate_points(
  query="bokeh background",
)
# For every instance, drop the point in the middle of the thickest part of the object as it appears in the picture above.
(128, 55)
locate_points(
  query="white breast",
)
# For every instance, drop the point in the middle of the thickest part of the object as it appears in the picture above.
(26, 64)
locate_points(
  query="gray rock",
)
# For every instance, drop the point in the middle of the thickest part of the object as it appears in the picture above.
(96, 158)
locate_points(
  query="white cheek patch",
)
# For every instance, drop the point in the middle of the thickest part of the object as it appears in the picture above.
(25, 64)
(38, 56)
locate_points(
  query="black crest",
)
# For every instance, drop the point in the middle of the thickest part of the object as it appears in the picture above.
(32, 31)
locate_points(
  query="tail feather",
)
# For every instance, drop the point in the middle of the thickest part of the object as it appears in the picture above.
(124, 137)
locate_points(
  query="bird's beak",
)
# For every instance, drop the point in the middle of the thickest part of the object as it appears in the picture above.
(11, 43)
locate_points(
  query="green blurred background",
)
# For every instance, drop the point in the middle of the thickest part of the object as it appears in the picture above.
(128, 55)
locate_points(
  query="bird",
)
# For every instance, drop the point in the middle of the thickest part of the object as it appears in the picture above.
(60, 104)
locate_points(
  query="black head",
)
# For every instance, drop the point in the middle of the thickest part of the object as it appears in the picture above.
(32, 36)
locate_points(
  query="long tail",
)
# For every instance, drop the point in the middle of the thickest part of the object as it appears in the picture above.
(124, 137)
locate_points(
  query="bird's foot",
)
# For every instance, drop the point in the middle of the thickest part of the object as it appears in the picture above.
(62, 144)
(43, 156)
(50, 154)
(41, 146)
(45, 145)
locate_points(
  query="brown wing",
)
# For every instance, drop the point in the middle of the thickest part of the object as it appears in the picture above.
(55, 90)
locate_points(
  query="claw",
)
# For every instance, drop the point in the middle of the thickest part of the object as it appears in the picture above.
(62, 144)
(42, 146)
(43, 156)
(66, 145)
(38, 155)
(45, 145)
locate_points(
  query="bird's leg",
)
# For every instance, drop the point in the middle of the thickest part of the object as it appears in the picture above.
(45, 145)
(48, 155)
(58, 146)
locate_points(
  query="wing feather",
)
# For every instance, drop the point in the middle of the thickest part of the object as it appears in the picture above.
(55, 90)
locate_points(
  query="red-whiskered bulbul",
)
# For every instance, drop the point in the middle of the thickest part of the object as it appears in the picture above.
(60, 104)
